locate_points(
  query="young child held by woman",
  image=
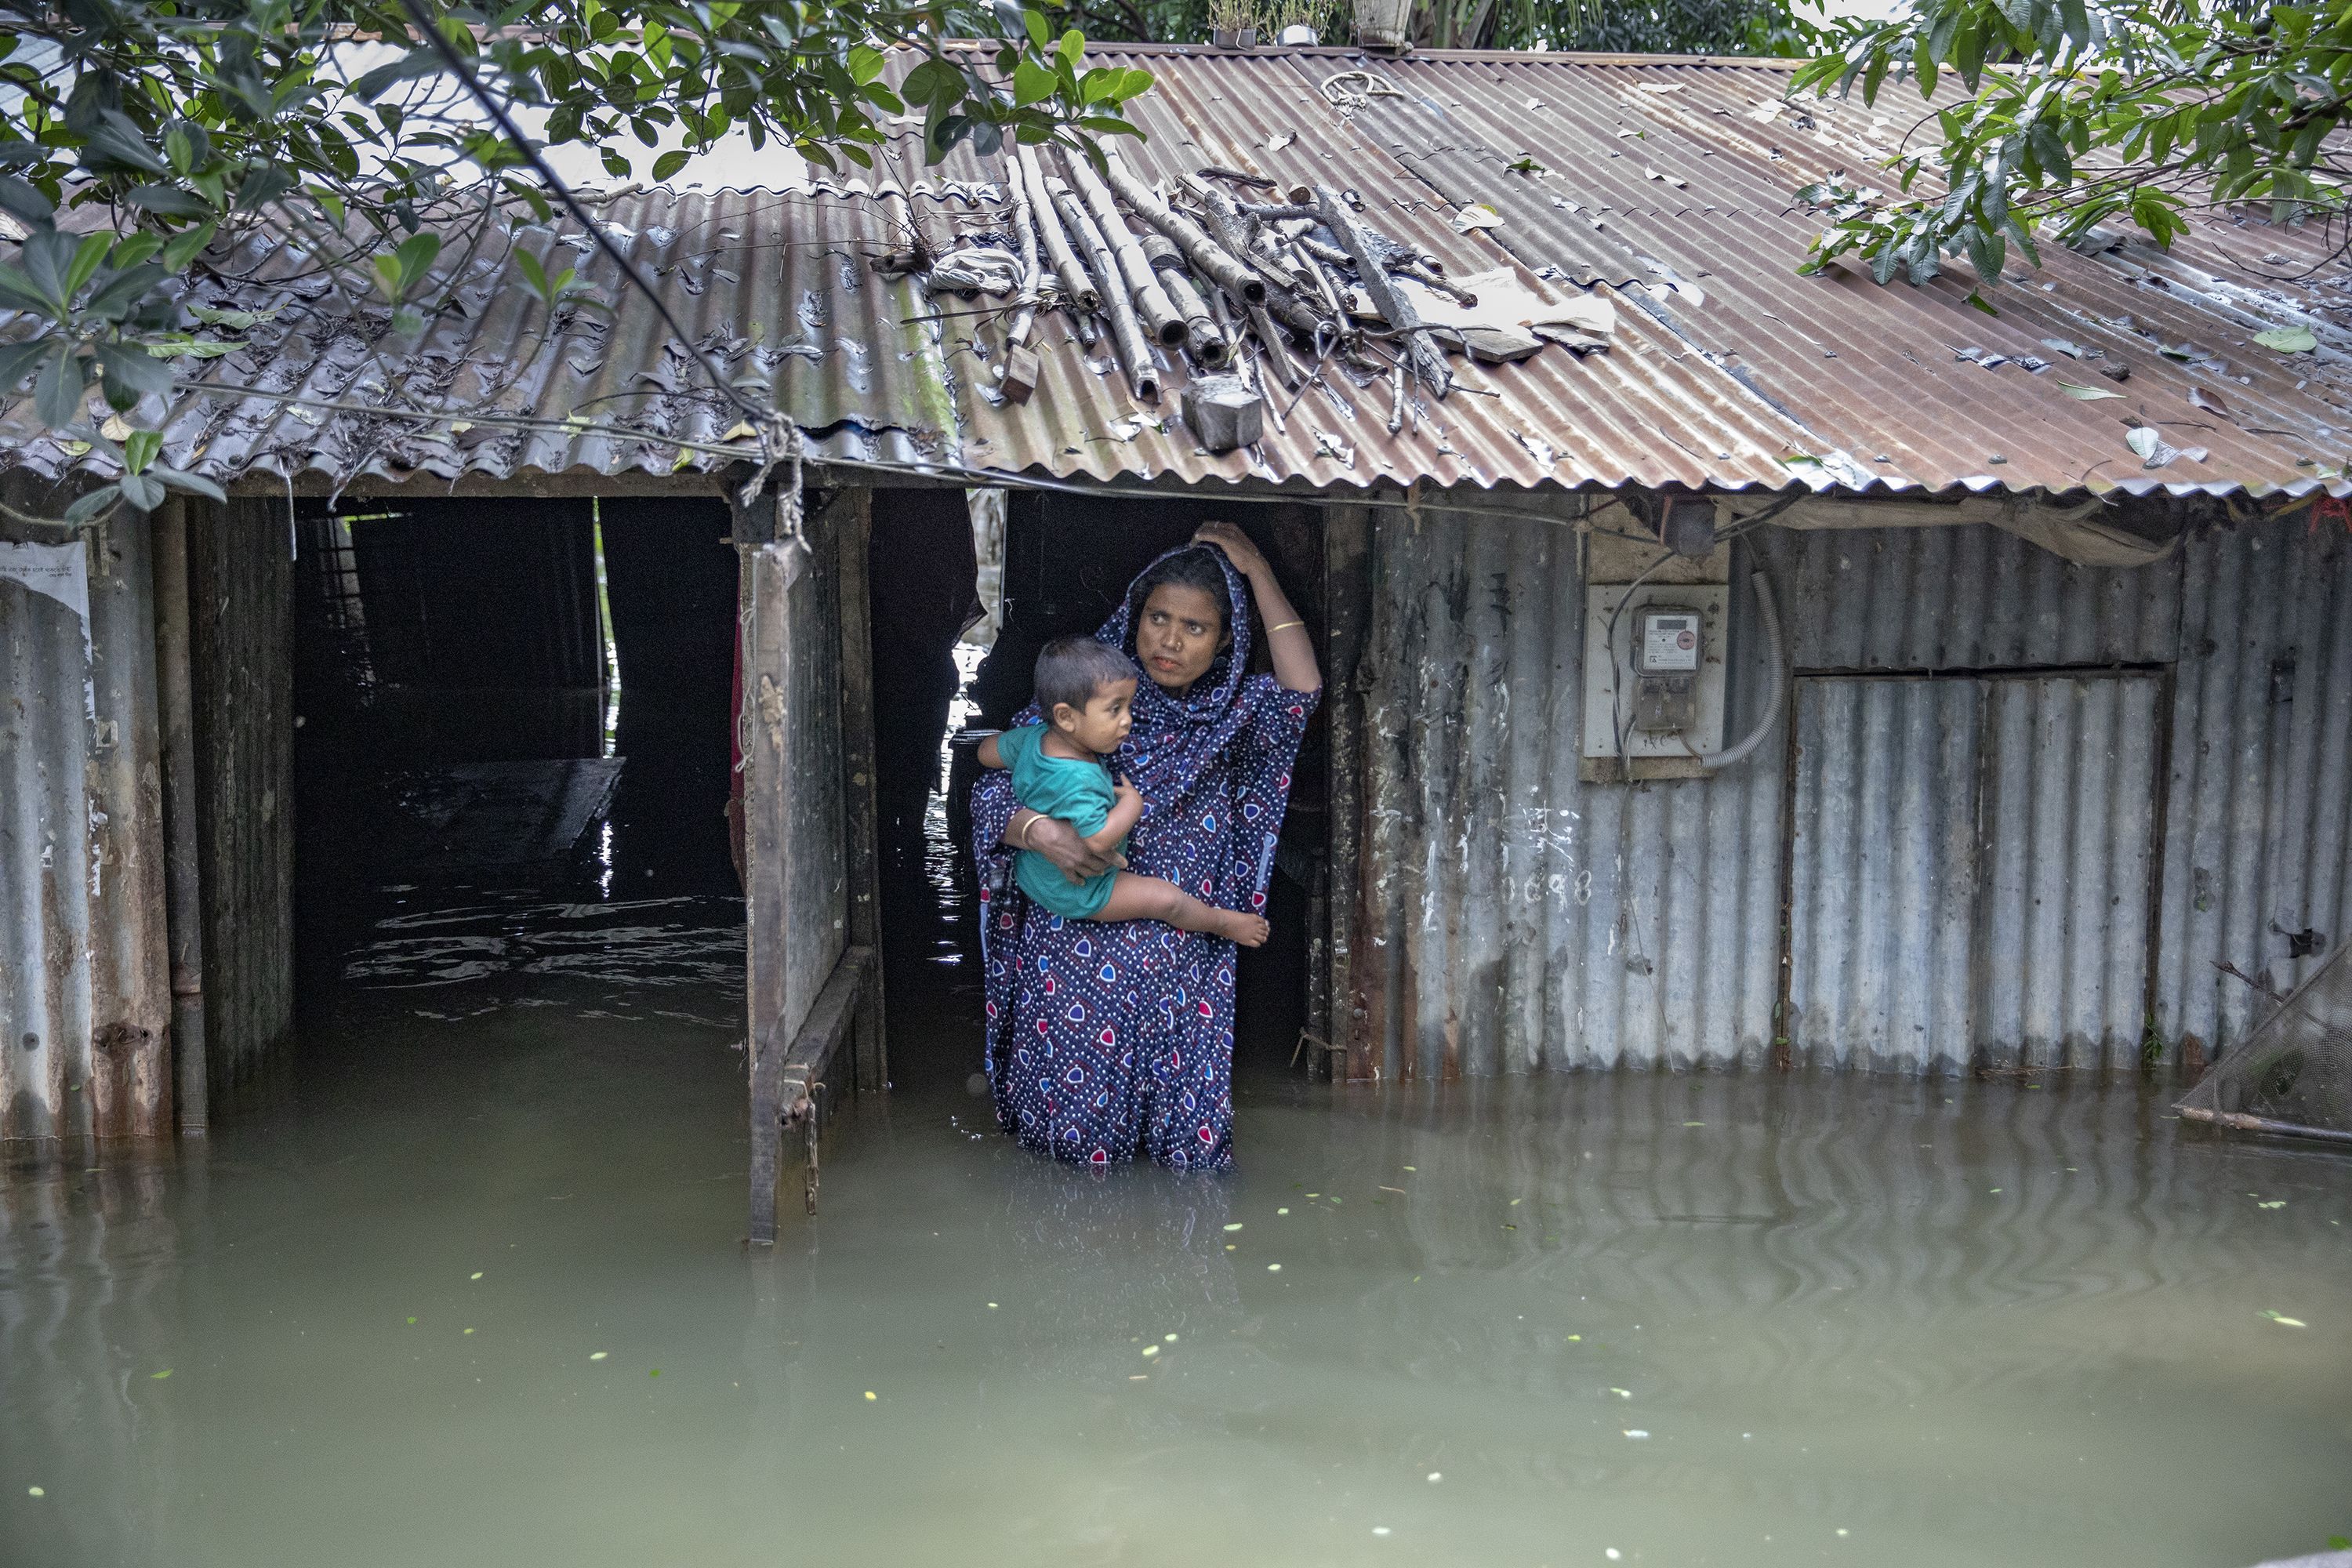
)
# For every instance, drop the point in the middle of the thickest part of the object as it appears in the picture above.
(1086, 692)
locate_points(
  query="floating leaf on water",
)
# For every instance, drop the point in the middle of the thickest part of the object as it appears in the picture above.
(160, 1376)
(1282, 1211)
(478, 1274)
(412, 1319)
(2288, 339)
(1379, 1529)
(1636, 1433)
(2274, 1203)
(1170, 1338)
(869, 1394)
(1235, 1226)
(1151, 1350)
(653, 1372)
(34, 1491)
(599, 1355)
(1414, 1168)
(992, 1306)
(1693, 1123)
(1572, 1339)
(1273, 1269)
(1623, 1392)
(469, 1330)
(2085, 394)
(2285, 1322)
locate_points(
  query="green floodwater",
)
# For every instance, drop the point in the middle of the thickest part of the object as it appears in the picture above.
(1859, 1322)
(468, 1288)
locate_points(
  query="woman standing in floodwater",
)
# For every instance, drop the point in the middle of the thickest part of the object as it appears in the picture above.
(1107, 1040)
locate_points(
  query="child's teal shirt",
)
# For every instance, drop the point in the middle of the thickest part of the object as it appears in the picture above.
(1077, 792)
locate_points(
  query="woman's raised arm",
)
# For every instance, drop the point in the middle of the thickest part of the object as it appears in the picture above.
(1286, 637)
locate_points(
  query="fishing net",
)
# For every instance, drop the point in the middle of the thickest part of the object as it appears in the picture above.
(2293, 1073)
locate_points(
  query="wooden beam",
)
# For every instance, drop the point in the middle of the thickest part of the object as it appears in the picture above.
(1347, 555)
(806, 1068)
(767, 678)
(183, 896)
(852, 515)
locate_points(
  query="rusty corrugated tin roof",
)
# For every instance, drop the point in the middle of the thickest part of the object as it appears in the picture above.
(1664, 184)
(1667, 183)
(770, 284)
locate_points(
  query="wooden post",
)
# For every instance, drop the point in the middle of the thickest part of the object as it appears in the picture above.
(182, 834)
(767, 672)
(852, 516)
(1347, 564)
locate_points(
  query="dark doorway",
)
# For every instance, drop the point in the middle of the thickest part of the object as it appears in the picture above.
(1067, 559)
(515, 736)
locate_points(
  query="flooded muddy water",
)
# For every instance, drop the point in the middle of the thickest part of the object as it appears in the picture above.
(469, 1289)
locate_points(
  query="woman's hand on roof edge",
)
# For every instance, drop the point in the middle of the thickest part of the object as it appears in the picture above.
(1248, 558)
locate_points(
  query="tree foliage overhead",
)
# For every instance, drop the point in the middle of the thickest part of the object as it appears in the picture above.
(133, 136)
(1637, 27)
(2077, 113)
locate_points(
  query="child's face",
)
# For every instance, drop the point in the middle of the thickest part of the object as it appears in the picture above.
(1103, 722)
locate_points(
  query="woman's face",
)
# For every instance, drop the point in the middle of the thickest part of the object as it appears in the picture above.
(1178, 636)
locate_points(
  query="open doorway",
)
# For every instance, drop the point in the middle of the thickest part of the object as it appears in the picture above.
(1066, 562)
(514, 752)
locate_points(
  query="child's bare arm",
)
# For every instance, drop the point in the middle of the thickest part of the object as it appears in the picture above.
(1126, 811)
(990, 757)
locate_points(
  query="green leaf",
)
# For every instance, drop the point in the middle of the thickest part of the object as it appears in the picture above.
(181, 479)
(88, 506)
(118, 294)
(1032, 83)
(169, 201)
(1035, 21)
(58, 395)
(131, 373)
(85, 259)
(183, 247)
(117, 139)
(2288, 339)
(141, 491)
(19, 360)
(24, 200)
(669, 163)
(47, 256)
(865, 64)
(418, 62)
(416, 254)
(139, 450)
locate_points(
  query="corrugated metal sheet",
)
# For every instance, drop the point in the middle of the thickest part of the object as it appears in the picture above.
(768, 283)
(1657, 167)
(1647, 412)
(1962, 598)
(85, 1002)
(1968, 870)
(1744, 375)
(2260, 800)
(1511, 917)
(1654, 170)
(1975, 864)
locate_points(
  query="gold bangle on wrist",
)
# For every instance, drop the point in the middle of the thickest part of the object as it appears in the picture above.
(1027, 828)
(1283, 627)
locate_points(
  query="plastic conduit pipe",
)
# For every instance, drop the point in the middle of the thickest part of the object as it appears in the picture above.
(1755, 738)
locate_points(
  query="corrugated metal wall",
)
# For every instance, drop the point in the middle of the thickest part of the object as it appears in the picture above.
(241, 613)
(2258, 857)
(1968, 870)
(1974, 863)
(1510, 918)
(85, 1000)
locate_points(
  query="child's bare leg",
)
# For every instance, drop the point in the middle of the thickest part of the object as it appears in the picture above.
(1134, 898)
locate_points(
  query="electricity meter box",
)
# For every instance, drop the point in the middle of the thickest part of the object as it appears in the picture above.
(1653, 678)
